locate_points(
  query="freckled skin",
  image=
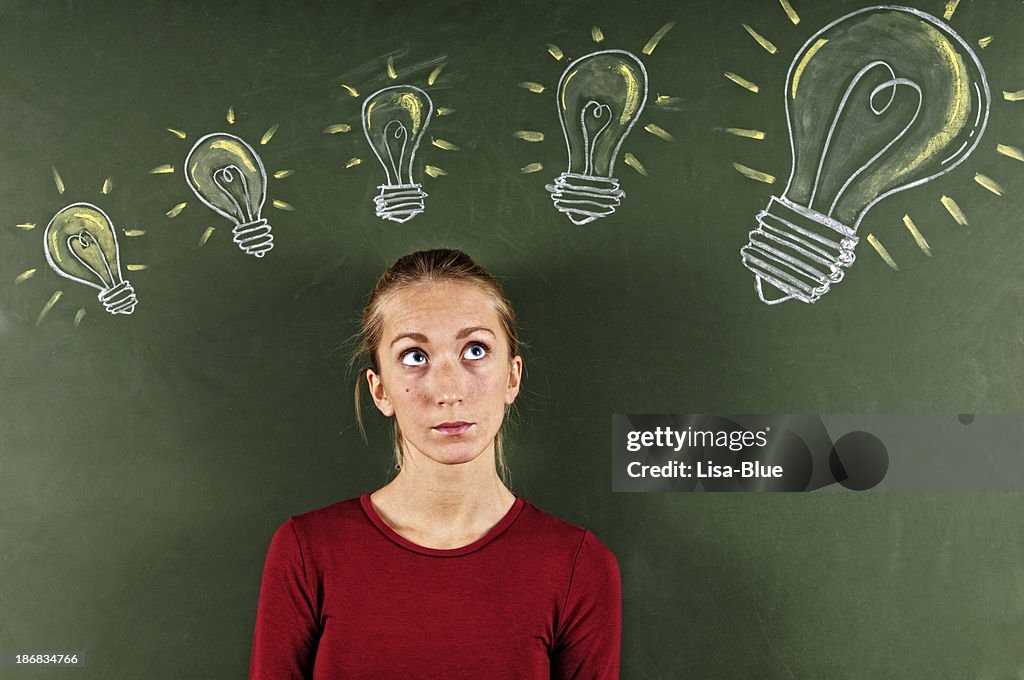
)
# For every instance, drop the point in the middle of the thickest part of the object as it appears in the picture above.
(444, 359)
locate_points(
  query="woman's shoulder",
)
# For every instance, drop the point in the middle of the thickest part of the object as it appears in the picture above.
(328, 519)
(557, 533)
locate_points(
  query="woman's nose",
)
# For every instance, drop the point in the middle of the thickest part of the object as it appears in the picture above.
(448, 387)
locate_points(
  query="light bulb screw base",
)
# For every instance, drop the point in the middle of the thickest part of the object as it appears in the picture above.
(399, 202)
(797, 251)
(119, 299)
(585, 198)
(254, 238)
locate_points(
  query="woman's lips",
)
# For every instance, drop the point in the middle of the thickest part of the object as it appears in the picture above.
(453, 428)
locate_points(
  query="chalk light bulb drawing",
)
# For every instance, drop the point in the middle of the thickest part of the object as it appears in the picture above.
(600, 97)
(881, 100)
(394, 122)
(81, 245)
(228, 176)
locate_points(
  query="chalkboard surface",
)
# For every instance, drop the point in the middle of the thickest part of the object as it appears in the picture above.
(146, 458)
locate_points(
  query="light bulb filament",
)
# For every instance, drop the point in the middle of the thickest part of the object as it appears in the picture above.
(594, 120)
(396, 138)
(232, 183)
(86, 250)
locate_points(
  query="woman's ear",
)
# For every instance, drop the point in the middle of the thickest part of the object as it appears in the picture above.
(515, 376)
(379, 394)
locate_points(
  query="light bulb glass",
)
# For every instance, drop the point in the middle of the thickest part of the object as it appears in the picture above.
(81, 245)
(394, 122)
(228, 176)
(881, 100)
(600, 97)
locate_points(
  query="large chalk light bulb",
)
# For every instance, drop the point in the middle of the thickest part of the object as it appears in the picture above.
(394, 122)
(881, 100)
(600, 98)
(228, 176)
(80, 244)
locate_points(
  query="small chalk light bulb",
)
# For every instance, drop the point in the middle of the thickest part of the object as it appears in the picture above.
(394, 122)
(80, 244)
(881, 100)
(600, 97)
(228, 176)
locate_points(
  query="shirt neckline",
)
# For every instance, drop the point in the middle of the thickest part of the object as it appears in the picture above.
(504, 523)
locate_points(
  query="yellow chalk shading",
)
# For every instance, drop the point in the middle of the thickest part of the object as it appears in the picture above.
(26, 225)
(353, 162)
(532, 167)
(742, 132)
(434, 171)
(58, 180)
(634, 162)
(656, 38)
(742, 82)
(281, 205)
(556, 52)
(754, 174)
(1013, 96)
(176, 210)
(799, 71)
(444, 144)
(206, 236)
(659, 132)
(25, 276)
(281, 174)
(48, 306)
(954, 210)
(269, 134)
(882, 252)
(432, 78)
(392, 74)
(162, 170)
(351, 90)
(132, 233)
(950, 8)
(1010, 151)
(988, 183)
(790, 12)
(918, 238)
(532, 86)
(596, 34)
(529, 135)
(336, 128)
(985, 42)
(665, 100)
(79, 315)
(764, 42)
(445, 111)
(180, 134)
(108, 186)
(231, 115)
(137, 267)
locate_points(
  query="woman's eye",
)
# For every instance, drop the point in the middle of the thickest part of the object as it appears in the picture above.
(413, 357)
(475, 351)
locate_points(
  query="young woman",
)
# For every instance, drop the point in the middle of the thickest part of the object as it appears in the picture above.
(443, 573)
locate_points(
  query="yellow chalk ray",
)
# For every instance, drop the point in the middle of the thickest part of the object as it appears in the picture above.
(132, 233)
(26, 225)
(882, 252)
(269, 134)
(918, 237)
(432, 78)
(137, 267)
(529, 135)
(659, 132)
(764, 42)
(989, 183)
(532, 167)
(166, 169)
(799, 71)
(536, 88)
(79, 315)
(231, 115)
(58, 180)
(950, 9)
(753, 174)
(742, 82)
(556, 52)
(206, 236)
(180, 134)
(282, 205)
(985, 42)
(790, 12)
(445, 111)
(336, 128)
(48, 306)
(176, 210)
(634, 162)
(1010, 151)
(25, 276)
(351, 90)
(954, 210)
(656, 38)
(434, 171)
(281, 174)
(596, 34)
(108, 186)
(1013, 96)
(665, 100)
(444, 144)
(742, 132)
(353, 162)
(392, 74)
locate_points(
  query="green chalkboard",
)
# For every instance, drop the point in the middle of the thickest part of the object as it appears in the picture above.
(146, 458)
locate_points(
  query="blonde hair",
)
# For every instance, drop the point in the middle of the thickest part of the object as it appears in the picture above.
(426, 266)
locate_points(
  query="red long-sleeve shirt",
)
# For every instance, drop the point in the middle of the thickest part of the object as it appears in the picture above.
(346, 597)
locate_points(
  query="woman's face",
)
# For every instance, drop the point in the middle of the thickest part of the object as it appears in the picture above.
(445, 371)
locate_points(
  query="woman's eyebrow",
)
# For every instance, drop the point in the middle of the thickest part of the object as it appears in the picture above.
(418, 337)
(465, 332)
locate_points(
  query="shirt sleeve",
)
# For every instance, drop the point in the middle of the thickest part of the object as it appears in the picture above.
(589, 636)
(286, 637)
